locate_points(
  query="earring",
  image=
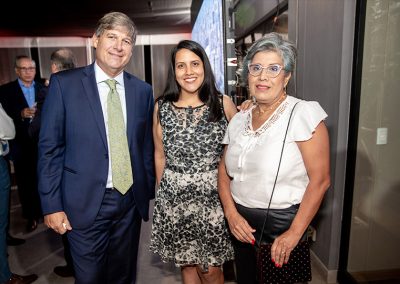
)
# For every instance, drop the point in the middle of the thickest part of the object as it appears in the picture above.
(253, 99)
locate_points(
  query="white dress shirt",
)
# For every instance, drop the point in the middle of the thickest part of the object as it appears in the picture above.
(104, 89)
(252, 156)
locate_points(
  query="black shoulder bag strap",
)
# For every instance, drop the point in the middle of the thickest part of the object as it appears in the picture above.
(276, 177)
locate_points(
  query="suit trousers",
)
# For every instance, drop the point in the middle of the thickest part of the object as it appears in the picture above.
(67, 251)
(25, 165)
(5, 272)
(106, 252)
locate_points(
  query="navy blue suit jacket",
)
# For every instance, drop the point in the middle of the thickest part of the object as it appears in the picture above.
(73, 152)
(13, 100)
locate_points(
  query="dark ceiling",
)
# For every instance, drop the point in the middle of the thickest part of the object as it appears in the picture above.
(78, 18)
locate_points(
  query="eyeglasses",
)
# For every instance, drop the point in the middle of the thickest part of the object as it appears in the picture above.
(272, 70)
(26, 69)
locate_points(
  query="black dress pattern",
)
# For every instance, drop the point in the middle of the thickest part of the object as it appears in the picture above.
(188, 223)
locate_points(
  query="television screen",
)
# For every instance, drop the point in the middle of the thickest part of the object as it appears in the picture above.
(208, 31)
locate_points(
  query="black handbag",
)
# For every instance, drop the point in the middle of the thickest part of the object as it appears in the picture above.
(298, 268)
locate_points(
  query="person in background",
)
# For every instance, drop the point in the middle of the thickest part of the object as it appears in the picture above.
(249, 166)
(190, 120)
(61, 59)
(19, 100)
(7, 132)
(96, 157)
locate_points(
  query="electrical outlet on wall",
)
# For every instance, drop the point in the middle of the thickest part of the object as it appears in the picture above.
(382, 136)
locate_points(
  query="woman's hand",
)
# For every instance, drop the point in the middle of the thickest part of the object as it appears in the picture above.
(240, 228)
(246, 105)
(283, 246)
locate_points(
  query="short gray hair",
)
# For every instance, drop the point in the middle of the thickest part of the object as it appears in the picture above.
(271, 42)
(18, 59)
(113, 20)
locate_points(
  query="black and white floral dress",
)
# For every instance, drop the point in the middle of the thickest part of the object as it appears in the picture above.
(188, 222)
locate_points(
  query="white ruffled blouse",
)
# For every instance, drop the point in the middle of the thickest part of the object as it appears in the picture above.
(252, 156)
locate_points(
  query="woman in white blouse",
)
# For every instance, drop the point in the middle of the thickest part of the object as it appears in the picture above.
(254, 143)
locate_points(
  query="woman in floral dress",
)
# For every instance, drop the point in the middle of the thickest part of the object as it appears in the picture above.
(190, 120)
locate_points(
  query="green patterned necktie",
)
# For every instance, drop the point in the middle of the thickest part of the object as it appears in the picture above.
(120, 158)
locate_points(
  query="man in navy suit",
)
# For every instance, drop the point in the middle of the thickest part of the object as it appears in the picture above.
(19, 99)
(75, 177)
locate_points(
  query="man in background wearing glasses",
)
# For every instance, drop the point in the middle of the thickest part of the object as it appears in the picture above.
(19, 101)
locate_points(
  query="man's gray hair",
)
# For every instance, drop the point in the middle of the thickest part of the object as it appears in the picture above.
(20, 57)
(113, 20)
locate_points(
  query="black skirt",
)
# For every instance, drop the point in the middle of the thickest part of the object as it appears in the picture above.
(279, 221)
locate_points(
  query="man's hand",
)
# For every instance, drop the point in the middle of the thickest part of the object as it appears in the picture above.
(58, 222)
(28, 112)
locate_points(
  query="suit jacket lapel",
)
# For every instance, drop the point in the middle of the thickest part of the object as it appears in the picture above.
(38, 88)
(21, 95)
(130, 97)
(92, 93)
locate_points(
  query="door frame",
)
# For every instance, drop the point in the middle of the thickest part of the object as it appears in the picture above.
(343, 275)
